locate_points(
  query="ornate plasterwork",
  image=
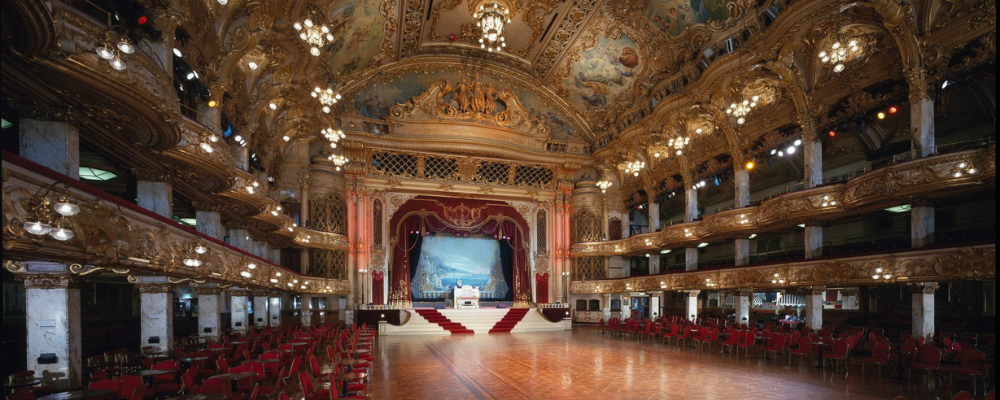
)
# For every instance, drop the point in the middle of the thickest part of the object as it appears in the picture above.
(964, 263)
(471, 102)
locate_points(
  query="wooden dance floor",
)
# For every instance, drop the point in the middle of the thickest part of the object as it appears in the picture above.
(582, 364)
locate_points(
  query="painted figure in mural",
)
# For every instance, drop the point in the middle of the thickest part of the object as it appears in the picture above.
(604, 70)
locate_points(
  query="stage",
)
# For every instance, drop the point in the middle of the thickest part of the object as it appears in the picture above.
(430, 321)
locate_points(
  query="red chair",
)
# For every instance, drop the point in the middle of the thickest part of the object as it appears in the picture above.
(839, 354)
(22, 395)
(732, 340)
(962, 395)
(777, 345)
(107, 384)
(670, 334)
(684, 336)
(973, 365)
(747, 341)
(133, 388)
(310, 393)
(713, 336)
(880, 357)
(803, 350)
(928, 359)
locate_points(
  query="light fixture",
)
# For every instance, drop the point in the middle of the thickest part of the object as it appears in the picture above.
(245, 274)
(222, 2)
(744, 219)
(314, 35)
(96, 174)
(333, 135)
(633, 167)
(252, 65)
(40, 222)
(66, 208)
(272, 106)
(752, 235)
(750, 165)
(491, 17)
(177, 52)
(338, 160)
(125, 46)
(604, 185)
(709, 283)
(274, 280)
(192, 262)
(828, 202)
(286, 138)
(326, 97)
(212, 103)
(665, 251)
(964, 168)
(837, 53)
(702, 245)
(777, 279)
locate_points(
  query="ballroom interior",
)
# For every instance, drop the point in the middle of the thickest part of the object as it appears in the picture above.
(319, 199)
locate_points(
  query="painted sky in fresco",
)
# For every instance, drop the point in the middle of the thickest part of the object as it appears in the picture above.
(375, 101)
(673, 16)
(357, 32)
(603, 72)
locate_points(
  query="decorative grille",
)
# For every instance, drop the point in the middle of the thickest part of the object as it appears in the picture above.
(328, 263)
(328, 214)
(588, 268)
(492, 172)
(393, 164)
(377, 223)
(586, 226)
(532, 176)
(541, 232)
(441, 168)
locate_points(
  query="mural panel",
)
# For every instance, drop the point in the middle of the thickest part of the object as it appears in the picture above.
(357, 30)
(375, 101)
(674, 16)
(601, 74)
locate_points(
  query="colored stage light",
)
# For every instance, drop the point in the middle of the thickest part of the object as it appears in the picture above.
(893, 110)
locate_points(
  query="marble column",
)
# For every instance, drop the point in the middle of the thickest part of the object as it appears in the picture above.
(154, 191)
(654, 263)
(606, 306)
(238, 236)
(849, 299)
(241, 157)
(208, 220)
(239, 316)
(742, 186)
(53, 320)
(260, 314)
(305, 310)
(691, 259)
(921, 111)
(209, 311)
(923, 310)
(157, 316)
(691, 311)
(922, 222)
(274, 310)
(654, 215)
(626, 220)
(744, 301)
(814, 306)
(690, 203)
(54, 145)
(814, 240)
(654, 304)
(812, 155)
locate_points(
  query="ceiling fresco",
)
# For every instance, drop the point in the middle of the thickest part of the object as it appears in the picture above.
(376, 100)
(602, 73)
(674, 16)
(357, 27)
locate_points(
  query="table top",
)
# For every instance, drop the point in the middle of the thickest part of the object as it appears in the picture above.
(264, 360)
(199, 397)
(238, 375)
(77, 394)
(190, 359)
(349, 376)
(296, 343)
(358, 351)
(20, 384)
(151, 372)
(351, 361)
(239, 342)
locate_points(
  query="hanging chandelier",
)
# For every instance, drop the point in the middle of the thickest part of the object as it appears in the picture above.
(333, 135)
(326, 97)
(678, 143)
(633, 167)
(112, 53)
(491, 17)
(604, 185)
(314, 35)
(338, 160)
(837, 53)
(742, 108)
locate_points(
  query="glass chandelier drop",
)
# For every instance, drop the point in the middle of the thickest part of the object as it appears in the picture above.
(326, 97)
(491, 18)
(314, 35)
(333, 135)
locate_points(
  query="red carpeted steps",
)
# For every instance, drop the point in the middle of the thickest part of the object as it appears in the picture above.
(433, 316)
(509, 320)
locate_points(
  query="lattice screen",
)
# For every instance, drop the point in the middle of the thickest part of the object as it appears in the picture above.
(377, 223)
(532, 176)
(586, 227)
(588, 268)
(441, 168)
(542, 231)
(392, 164)
(328, 214)
(328, 263)
(492, 172)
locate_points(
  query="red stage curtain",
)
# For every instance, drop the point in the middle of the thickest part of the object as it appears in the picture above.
(377, 279)
(424, 215)
(542, 288)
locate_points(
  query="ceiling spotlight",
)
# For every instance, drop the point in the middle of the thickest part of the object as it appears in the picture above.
(212, 103)
(286, 138)
(177, 52)
(893, 110)
(880, 115)
(272, 106)
(252, 65)
(750, 165)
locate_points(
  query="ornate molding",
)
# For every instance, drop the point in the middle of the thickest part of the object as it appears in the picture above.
(48, 281)
(156, 287)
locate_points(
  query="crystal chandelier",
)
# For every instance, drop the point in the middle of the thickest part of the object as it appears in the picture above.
(491, 18)
(333, 135)
(604, 185)
(837, 53)
(741, 109)
(633, 167)
(338, 160)
(40, 221)
(678, 143)
(326, 97)
(315, 35)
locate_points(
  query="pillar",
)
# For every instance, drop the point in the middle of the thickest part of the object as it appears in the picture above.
(53, 319)
(626, 215)
(742, 178)
(209, 311)
(921, 222)
(655, 306)
(690, 202)
(849, 299)
(54, 145)
(923, 310)
(654, 214)
(654, 263)
(239, 317)
(304, 263)
(305, 310)
(812, 155)
(156, 298)
(921, 111)
(274, 309)
(744, 301)
(814, 306)
(208, 220)
(690, 258)
(260, 314)
(606, 306)
(154, 191)
(238, 236)
(691, 311)
(241, 156)
(814, 240)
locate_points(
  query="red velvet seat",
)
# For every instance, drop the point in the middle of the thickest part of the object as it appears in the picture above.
(928, 359)
(839, 354)
(973, 365)
(803, 350)
(880, 357)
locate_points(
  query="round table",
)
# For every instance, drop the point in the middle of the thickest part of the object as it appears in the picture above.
(348, 376)
(199, 397)
(262, 360)
(237, 343)
(189, 360)
(350, 363)
(77, 394)
(293, 344)
(148, 374)
(233, 377)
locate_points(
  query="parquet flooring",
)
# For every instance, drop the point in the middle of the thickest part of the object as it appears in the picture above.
(583, 364)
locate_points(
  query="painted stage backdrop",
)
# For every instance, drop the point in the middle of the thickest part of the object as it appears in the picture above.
(447, 261)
